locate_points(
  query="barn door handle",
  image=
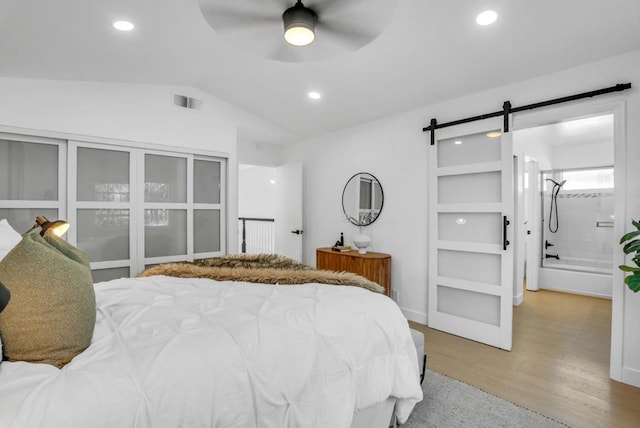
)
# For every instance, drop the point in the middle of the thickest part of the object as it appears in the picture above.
(505, 241)
(297, 232)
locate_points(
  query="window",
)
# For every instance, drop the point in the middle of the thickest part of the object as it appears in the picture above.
(137, 207)
(102, 208)
(32, 179)
(128, 206)
(586, 179)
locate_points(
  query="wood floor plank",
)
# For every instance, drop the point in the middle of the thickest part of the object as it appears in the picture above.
(558, 366)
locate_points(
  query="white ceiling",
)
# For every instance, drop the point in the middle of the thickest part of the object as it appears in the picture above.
(588, 130)
(430, 51)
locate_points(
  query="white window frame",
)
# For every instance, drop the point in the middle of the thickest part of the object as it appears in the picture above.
(211, 206)
(74, 205)
(60, 203)
(67, 203)
(186, 206)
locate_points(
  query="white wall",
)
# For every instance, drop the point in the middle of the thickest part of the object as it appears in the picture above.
(550, 156)
(582, 155)
(527, 143)
(256, 192)
(125, 112)
(396, 151)
(252, 153)
(141, 113)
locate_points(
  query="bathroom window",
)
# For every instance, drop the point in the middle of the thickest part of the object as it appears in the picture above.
(601, 178)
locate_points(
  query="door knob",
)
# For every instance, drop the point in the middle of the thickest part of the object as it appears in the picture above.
(297, 232)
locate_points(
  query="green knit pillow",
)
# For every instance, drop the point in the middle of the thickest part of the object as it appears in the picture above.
(67, 249)
(52, 312)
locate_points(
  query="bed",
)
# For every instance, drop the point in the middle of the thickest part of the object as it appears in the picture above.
(198, 352)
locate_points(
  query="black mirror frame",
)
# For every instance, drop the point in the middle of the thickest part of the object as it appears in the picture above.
(344, 211)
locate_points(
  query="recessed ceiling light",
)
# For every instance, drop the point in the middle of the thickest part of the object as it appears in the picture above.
(314, 95)
(487, 17)
(457, 142)
(494, 134)
(123, 25)
(272, 181)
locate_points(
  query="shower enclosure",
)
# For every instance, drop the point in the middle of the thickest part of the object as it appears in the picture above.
(577, 230)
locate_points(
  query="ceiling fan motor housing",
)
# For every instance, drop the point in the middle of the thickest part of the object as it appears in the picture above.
(299, 16)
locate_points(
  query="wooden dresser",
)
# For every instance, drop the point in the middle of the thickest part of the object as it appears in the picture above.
(374, 266)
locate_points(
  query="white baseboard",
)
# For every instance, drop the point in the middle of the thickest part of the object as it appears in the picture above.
(574, 291)
(631, 376)
(517, 300)
(415, 316)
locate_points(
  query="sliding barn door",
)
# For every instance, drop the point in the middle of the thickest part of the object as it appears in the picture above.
(471, 211)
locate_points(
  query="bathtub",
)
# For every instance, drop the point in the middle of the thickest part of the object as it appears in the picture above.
(588, 277)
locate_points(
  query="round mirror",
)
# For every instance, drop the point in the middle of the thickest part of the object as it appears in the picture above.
(362, 199)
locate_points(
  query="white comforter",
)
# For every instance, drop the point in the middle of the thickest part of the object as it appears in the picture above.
(173, 352)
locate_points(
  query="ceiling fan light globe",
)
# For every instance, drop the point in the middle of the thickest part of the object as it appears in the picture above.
(299, 25)
(299, 36)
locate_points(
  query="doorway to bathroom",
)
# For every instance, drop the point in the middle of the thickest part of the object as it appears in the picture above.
(588, 136)
(569, 198)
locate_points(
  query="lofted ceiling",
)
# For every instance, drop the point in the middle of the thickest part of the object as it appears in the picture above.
(427, 51)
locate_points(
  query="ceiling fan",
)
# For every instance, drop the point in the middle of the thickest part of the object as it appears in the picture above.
(297, 31)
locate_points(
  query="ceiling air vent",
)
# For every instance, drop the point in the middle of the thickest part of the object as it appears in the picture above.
(187, 102)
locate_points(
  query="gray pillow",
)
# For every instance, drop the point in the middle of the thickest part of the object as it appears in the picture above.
(53, 310)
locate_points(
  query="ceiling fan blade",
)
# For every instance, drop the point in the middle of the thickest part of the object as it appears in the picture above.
(228, 18)
(283, 4)
(335, 7)
(349, 34)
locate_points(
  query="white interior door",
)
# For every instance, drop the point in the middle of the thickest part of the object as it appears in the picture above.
(533, 225)
(288, 217)
(470, 212)
(519, 230)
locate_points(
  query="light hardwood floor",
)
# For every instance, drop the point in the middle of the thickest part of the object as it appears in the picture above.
(558, 366)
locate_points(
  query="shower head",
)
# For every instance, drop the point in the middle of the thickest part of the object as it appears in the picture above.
(556, 183)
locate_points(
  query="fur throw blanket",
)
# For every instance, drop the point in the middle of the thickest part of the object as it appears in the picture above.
(255, 273)
(253, 261)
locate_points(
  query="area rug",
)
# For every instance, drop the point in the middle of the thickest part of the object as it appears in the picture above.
(451, 403)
